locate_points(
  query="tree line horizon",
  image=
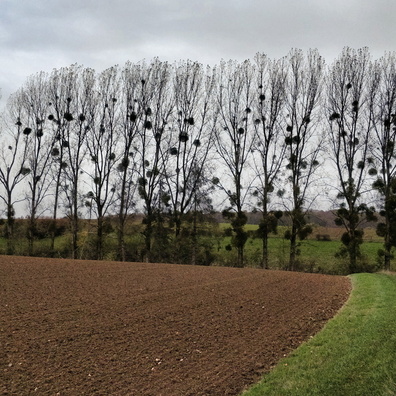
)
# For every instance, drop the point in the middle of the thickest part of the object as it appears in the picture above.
(165, 139)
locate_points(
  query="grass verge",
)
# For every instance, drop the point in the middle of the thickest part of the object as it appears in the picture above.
(353, 355)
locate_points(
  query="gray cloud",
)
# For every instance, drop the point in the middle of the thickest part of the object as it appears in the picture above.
(45, 34)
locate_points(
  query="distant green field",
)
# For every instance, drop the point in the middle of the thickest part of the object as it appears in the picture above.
(315, 255)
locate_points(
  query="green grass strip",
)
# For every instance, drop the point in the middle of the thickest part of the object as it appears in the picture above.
(355, 353)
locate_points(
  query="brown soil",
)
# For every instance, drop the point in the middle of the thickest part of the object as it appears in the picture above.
(104, 328)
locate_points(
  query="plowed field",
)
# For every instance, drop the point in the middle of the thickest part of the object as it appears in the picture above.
(105, 328)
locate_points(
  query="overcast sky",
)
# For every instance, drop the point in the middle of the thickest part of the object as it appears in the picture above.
(40, 35)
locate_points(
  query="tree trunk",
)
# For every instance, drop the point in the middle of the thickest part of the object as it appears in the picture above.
(32, 226)
(75, 237)
(177, 219)
(353, 255)
(53, 236)
(10, 227)
(264, 235)
(122, 217)
(194, 238)
(99, 239)
(264, 260)
(54, 217)
(75, 225)
(293, 248)
(121, 240)
(387, 243)
(148, 232)
(240, 258)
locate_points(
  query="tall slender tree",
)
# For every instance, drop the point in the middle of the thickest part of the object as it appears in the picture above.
(71, 90)
(269, 108)
(193, 130)
(61, 90)
(34, 102)
(102, 141)
(234, 141)
(302, 138)
(127, 166)
(351, 93)
(13, 166)
(152, 110)
(383, 150)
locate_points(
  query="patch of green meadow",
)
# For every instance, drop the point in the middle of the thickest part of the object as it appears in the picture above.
(314, 255)
(216, 244)
(352, 355)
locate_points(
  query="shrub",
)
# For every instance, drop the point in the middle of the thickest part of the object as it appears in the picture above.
(323, 237)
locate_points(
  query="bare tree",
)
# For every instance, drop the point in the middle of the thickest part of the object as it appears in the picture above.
(234, 141)
(127, 165)
(352, 88)
(102, 140)
(151, 113)
(193, 130)
(383, 150)
(13, 168)
(34, 103)
(70, 92)
(302, 138)
(61, 90)
(269, 107)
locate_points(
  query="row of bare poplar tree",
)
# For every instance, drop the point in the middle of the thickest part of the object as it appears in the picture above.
(163, 138)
